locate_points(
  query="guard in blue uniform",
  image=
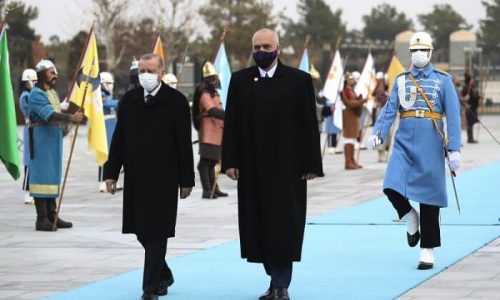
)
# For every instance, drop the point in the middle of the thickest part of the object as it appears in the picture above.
(28, 80)
(416, 168)
(46, 124)
(110, 107)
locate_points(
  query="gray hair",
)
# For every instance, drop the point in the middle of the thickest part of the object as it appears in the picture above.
(276, 38)
(149, 56)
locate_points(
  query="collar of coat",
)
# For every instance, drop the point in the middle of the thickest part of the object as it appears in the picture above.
(160, 97)
(277, 74)
(427, 70)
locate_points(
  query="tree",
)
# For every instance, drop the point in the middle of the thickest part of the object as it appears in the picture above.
(440, 23)
(490, 35)
(319, 22)
(110, 29)
(243, 17)
(384, 22)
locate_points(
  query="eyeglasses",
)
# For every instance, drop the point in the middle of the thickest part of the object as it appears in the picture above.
(422, 50)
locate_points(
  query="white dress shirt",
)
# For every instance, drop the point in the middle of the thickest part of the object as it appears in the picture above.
(270, 72)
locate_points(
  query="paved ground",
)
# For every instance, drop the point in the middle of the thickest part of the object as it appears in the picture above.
(37, 264)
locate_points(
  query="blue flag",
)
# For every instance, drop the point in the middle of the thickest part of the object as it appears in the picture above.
(222, 68)
(304, 62)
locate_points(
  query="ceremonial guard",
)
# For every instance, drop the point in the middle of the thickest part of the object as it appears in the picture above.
(110, 107)
(46, 125)
(416, 168)
(351, 120)
(472, 98)
(381, 96)
(208, 119)
(28, 80)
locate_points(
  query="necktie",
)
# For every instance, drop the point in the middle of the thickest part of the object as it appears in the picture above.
(149, 98)
(266, 76)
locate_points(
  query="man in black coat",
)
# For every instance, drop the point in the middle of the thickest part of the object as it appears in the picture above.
(271, 146)
(152, 141)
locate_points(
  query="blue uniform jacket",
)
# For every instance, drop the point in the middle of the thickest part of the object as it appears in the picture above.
(416, 168)
(23, 105)
(46, 164)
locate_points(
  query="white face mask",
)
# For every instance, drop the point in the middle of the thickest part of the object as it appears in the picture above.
(420, 59)
(148, 81)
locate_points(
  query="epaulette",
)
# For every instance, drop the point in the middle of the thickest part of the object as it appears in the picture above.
(402, 73)
(442, 72)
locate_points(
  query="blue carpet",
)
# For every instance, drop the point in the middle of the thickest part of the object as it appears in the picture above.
(354, 253)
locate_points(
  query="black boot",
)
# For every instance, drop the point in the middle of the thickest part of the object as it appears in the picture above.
(52, 208)
(211, 176)
(203, 169)
(42, 220)
(470, 135)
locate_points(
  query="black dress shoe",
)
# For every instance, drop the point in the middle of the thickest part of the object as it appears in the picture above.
(269, 294)
(147, 296)
(425, 265)
(413, 239)
(282, 294)
(164, 284)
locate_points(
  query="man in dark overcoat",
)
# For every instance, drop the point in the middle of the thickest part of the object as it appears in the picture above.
(152, 141)
(271, 146)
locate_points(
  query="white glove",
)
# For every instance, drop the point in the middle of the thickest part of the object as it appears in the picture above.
(373, 141)
(453, 160)
(64, 105)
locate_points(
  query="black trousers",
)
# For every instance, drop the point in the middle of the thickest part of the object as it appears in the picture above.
(281, 274)
(155, 266)
(429, 218)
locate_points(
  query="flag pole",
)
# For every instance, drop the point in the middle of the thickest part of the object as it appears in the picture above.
(87, 79)
(363, 128)
(77, 69)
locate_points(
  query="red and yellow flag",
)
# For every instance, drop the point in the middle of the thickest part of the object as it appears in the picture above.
(158, 48)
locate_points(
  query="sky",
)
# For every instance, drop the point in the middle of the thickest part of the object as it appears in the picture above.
(66, 17)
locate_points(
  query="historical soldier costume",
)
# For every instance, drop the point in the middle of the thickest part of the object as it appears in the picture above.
(46, 124)
(208, 119)
(471, 97)
(271, 146)
(422, 96)
(110, 106)
(351, 121)
(152, 141)
(28, 80)
(380, 95)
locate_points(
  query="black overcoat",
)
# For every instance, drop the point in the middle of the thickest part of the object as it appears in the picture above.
(271, 134)
(153, 143)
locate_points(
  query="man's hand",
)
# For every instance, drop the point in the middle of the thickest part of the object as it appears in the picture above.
(373, 141)
(184, 192)
(308, 176)
(233, 173)
(111, 186)
(453, 160)
(77, 117)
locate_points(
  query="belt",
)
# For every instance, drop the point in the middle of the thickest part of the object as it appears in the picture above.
(36, 124)
(421, 114)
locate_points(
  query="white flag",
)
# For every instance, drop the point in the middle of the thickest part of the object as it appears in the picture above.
(333, 87)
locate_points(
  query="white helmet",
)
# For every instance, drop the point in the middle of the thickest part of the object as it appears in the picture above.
(106, 77)
(29, 75)
(421, 40)
(170, 79)
(356, 75)
(45, 64)
(379, 75)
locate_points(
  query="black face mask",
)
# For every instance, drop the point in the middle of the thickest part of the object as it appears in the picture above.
(264, 59)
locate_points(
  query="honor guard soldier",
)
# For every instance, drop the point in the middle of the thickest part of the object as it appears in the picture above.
(28, 80)
(416, 168)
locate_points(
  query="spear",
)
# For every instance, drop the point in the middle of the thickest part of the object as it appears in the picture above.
(87, 79)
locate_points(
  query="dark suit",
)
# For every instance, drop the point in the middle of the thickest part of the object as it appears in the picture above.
(152, 141)
(271, 135)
